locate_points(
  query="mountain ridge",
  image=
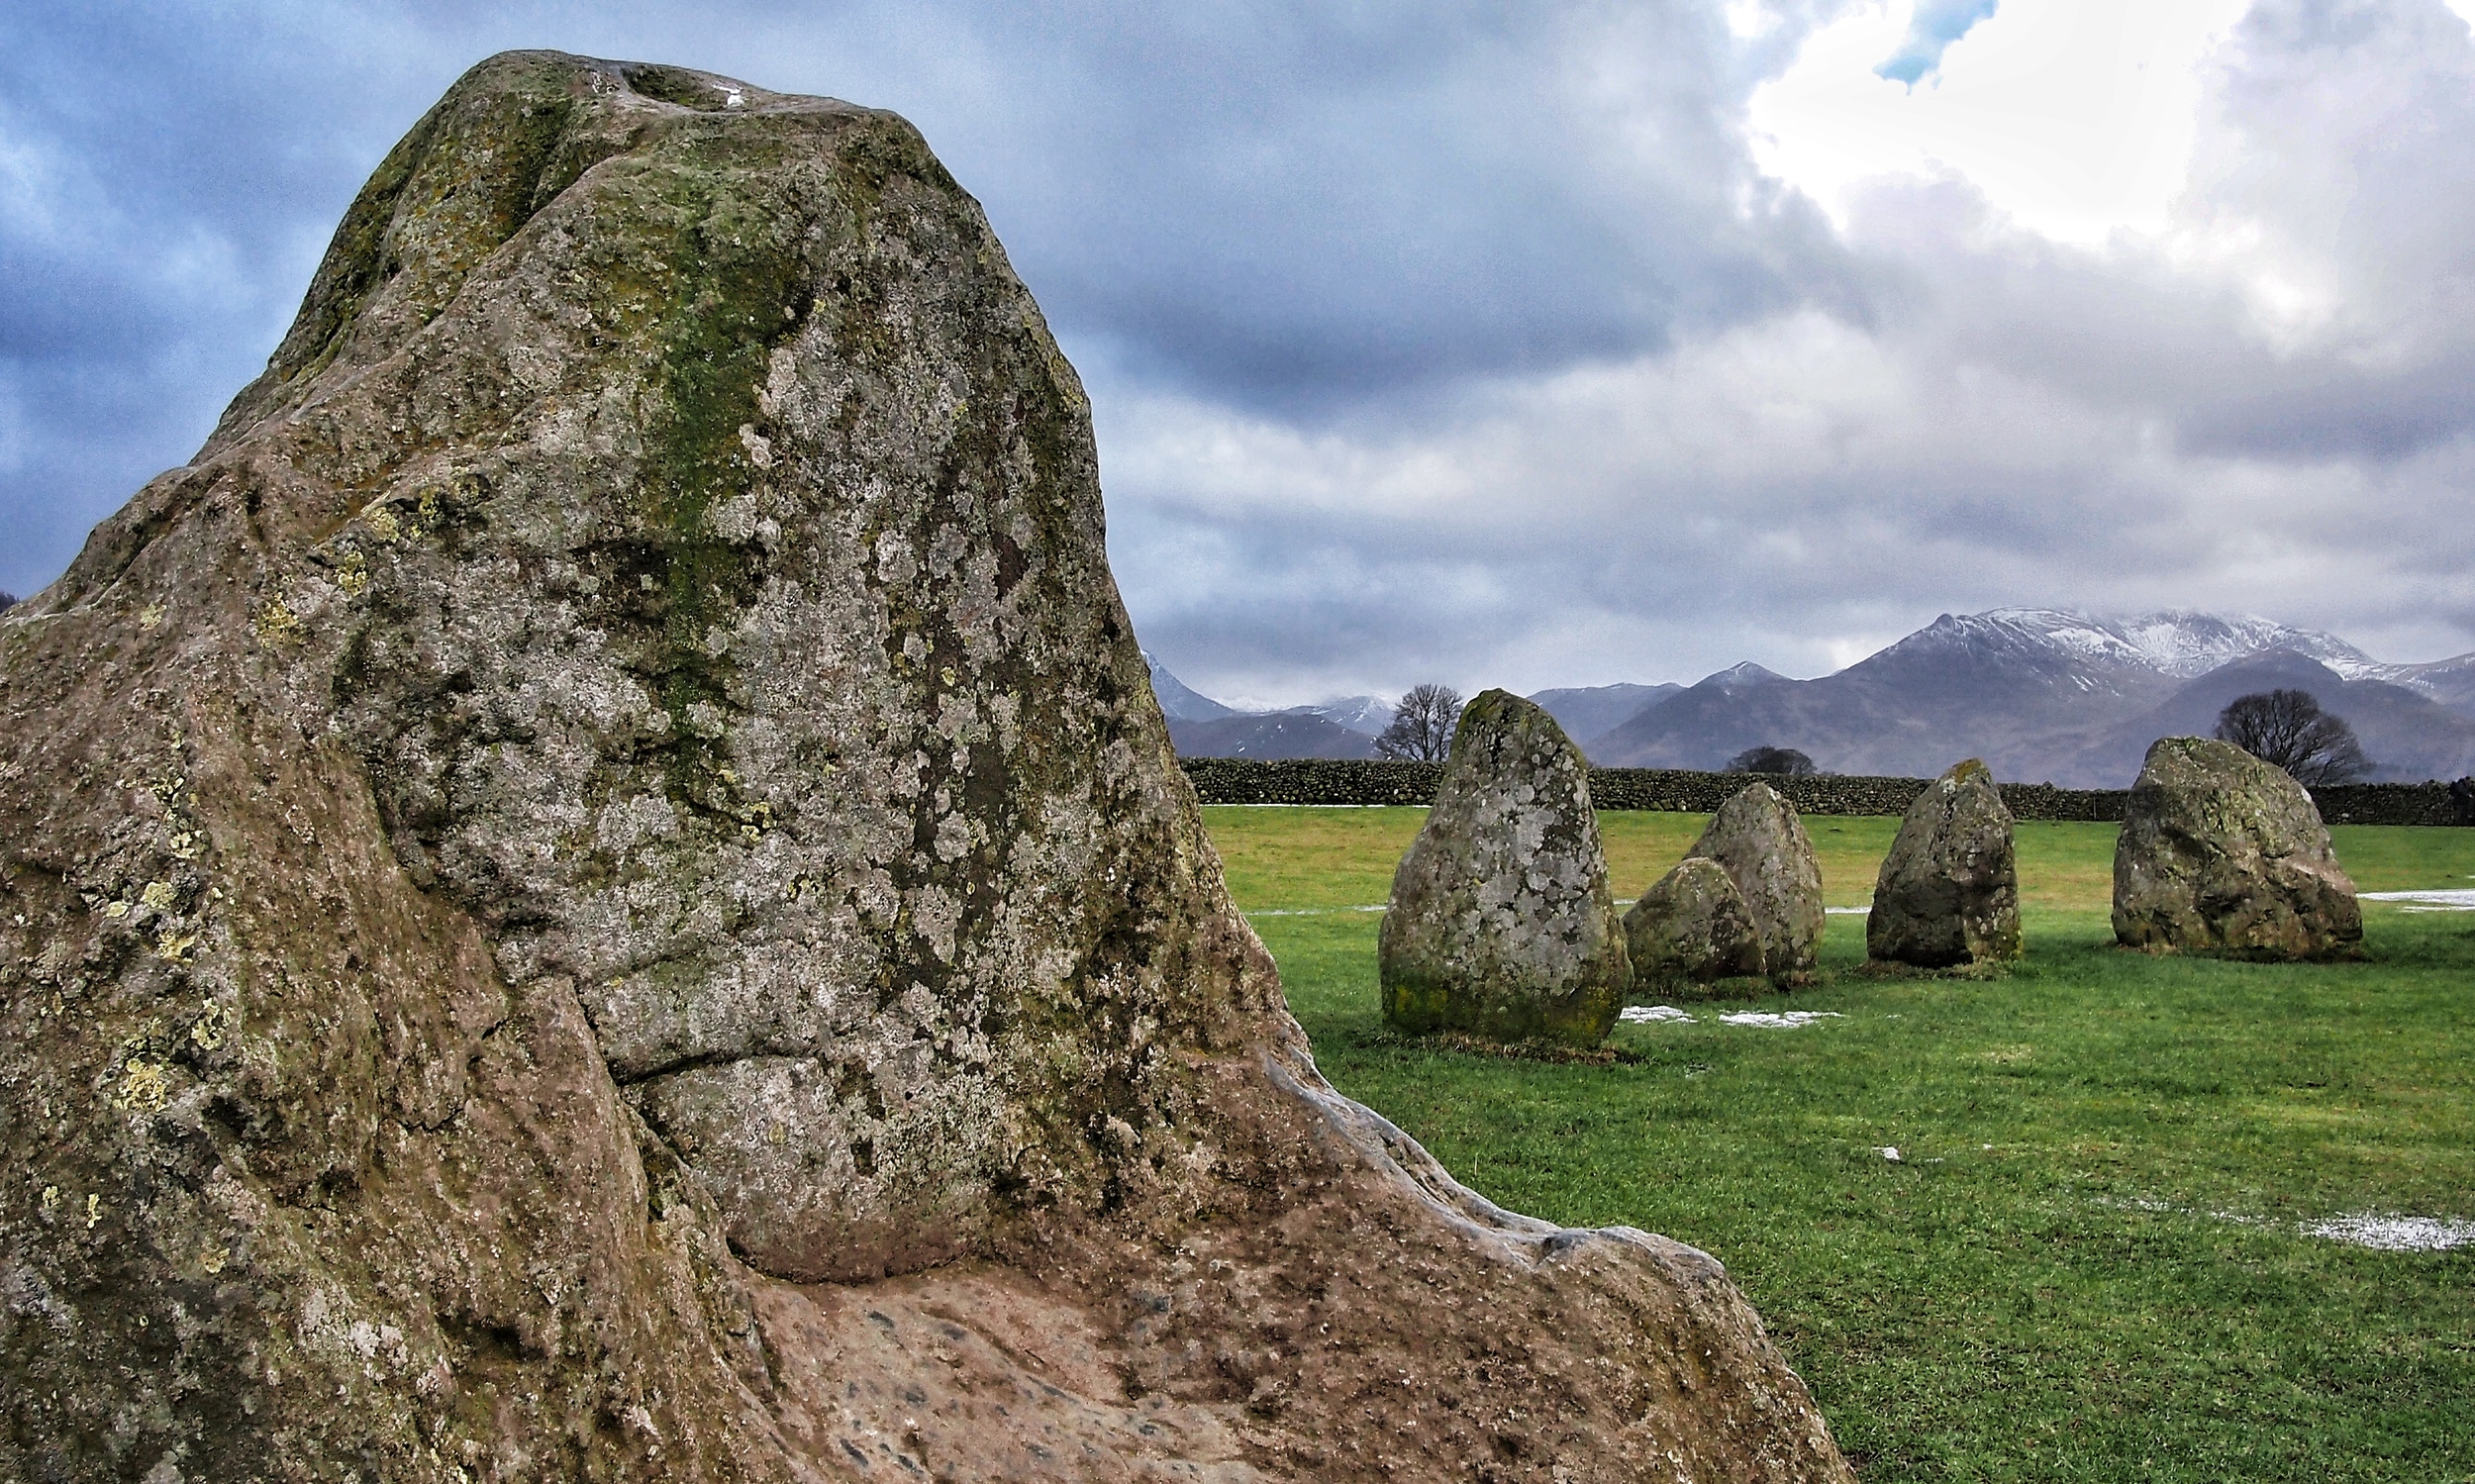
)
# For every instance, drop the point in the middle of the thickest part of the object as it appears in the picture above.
(2042, 694)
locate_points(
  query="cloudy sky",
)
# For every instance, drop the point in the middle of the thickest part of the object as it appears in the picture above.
(1527, 345)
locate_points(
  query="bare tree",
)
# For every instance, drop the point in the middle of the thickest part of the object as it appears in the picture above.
(1785, 760)
(1422, 726)
(2287, 729)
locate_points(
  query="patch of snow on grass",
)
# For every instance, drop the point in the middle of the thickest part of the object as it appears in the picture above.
(2426, 901)
(1784, 1020)
(2394, 1234)
(1644, 1015)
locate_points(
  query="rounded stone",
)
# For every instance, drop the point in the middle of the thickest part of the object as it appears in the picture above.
(1501, 923)
(2224, 853)
(1690, 928)
(1757, 838)
(1948, 891)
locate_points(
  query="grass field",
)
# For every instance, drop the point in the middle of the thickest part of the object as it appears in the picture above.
(2090, 1262)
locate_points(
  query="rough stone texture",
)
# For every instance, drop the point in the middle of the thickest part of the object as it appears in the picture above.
(2224, 853)
(596, 890)
(1500, 922)
(1763, 847)
(1690, 928)
(1948, 892)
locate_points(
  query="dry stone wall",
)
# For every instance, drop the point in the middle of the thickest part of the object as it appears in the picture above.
(1249, 780)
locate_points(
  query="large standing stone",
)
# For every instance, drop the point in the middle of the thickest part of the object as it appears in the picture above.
(596, 890)
(1692, 928)
(1501, 921)
(2224, 853)
(1759, 840)
(1948, 892)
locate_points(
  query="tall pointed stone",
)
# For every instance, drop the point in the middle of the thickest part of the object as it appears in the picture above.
(1758, 839)
(1500, 922)
(1948, 891)
(596, 890)
(2224, 853)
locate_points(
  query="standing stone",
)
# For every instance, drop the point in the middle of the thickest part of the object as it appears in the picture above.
(2224, 853)
(1758, 840)
(1691, 928)
(596, 889)
(1949, 893)
(1501, 923)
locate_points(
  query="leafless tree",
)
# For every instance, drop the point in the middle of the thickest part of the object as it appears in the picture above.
(2287, 729)
(1786, 761)
(1422, 726)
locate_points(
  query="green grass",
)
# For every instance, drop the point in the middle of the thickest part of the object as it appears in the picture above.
(2086, 1264)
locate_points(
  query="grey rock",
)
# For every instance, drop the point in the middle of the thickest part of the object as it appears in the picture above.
(1501, 923)
(1948, 891)
(1758, 839)
(2223, 854)
(595, 889)
(1690, 928)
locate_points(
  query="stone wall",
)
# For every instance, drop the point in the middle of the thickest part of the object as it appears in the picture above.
(1247, 780)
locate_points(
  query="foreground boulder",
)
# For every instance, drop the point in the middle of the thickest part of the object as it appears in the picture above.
(1500, 922)
(596, 890)
(1758, 839)
(2224, 853)
(1948, 891)
(1690, 928)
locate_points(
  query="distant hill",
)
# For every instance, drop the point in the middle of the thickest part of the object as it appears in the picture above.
(1177, 702)
(2408, 736)
(2047, 695)
(1592, 709)
(1367, 713)
(1278, 733)
(2043, 695)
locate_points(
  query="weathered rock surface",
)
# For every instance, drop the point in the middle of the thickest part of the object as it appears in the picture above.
(2224, 853)
(596, 890)
(1690, 928)
(1501, 923)
(1948, 892)
(1758, 840)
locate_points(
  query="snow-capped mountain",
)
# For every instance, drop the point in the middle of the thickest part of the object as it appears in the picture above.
(1177, 702)
(2040, 693)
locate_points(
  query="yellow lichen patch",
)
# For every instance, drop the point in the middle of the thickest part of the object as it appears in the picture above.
(159, 895)
(212, 1258)
(277, 624)
(382, 524)
(212, 1023)
(145, 1087)
(51, 1199)
(115, 909)
(173, 946)
(352, 574)
(150, 616)
(94, 1211)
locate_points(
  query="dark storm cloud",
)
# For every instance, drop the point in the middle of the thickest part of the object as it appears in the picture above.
(1281, 205)
(1457, 342)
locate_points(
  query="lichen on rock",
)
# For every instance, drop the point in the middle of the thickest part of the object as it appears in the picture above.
(1949, 890)
(2224, 853)
(1761, 843)
(1501, 923)
(1692, 930)
(596, 889)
